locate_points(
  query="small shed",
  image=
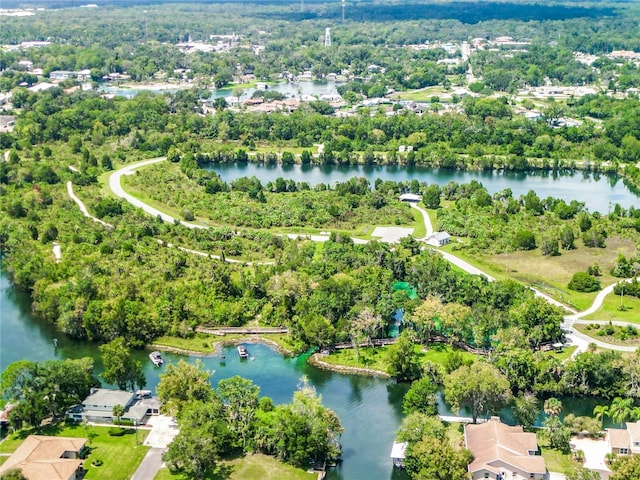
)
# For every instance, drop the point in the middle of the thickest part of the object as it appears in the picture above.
(410, 197)
(438, 239)
(398, 453)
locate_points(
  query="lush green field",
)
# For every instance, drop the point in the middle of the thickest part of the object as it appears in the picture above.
(255, 466)
(610, 309)
(375, 358)
(551, 274)
(120, 455)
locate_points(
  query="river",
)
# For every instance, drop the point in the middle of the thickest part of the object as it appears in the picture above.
(369, 408)
(599, 192)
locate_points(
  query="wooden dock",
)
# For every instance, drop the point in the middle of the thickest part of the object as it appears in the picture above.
(376, 342)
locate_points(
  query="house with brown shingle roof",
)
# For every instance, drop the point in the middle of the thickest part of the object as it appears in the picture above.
(503, 452)
(50, 458)
(625, 442)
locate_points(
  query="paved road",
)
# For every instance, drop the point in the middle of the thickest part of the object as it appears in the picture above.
(151, 463)
(467, 267)
(599, 300)
(115, 183)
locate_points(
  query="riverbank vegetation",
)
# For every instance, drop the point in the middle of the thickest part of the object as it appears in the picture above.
(233, 420)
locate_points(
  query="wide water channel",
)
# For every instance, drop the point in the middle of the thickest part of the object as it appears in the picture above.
(370, 408)
(599, 192)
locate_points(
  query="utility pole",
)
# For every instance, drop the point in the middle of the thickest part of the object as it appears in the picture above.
(145, 26)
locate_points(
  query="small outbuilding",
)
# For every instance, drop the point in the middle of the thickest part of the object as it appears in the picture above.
(398, 453)
(410, 197)
(438, 239)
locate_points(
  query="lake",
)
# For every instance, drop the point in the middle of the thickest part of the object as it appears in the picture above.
(599, 192)
(292, 90)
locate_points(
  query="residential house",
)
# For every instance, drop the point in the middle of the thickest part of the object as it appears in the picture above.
(51, 458)
(98, 406)
(438, 239)
(503, 452)
(625, 441)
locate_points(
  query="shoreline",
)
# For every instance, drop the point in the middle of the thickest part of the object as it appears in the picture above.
(313, 359)
(223, 343)
(369, 372)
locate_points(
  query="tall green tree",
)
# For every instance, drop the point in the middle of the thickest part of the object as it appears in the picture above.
(182, 383)
(240, 396)
(404, 363)
(120, 367)
(479, 387)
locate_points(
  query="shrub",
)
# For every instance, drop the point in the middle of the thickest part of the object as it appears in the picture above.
(525, 240)
(583, 282)
(116, 432)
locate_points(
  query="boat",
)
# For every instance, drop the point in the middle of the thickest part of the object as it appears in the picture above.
(156, 358)
(243, 352)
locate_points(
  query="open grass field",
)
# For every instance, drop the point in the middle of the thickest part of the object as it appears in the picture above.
(610, 310)
(256, 466)
(552, 274)
(120, 455)
(376, 358)
(423, 94)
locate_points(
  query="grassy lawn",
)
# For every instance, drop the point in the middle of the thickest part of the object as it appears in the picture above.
(552, 274)
(376, 357)
(121, 455)
(559, 462)
(255, 466)
(561, 355)
(419, 228)
(424, 94)
(609, 310)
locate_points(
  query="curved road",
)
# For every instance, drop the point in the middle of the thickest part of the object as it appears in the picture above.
(578, 339)
(115, 183)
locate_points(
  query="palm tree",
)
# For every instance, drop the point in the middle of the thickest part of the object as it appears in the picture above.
(552, 407)
(118, 411)
(621, 410)
(601, 411)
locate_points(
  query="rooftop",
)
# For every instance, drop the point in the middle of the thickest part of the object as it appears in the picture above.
(494, 444)
(41, 457)
(107, 398)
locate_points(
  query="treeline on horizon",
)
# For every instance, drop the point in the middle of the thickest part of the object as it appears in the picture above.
(366, 10)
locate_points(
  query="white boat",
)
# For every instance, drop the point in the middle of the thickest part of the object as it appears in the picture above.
(243, 352)
(156, 358)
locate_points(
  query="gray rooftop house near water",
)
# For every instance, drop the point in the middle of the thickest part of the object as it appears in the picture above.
(98, 406)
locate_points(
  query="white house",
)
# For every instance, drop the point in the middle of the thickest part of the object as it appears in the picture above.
(438, 239)
(410, 197)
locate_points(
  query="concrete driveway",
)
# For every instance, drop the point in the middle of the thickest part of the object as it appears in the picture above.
(594, 453)
(163, 431)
